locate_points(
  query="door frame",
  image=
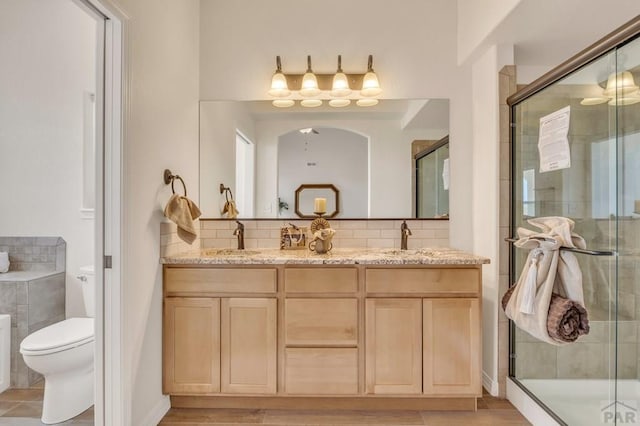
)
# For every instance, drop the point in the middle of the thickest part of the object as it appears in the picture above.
(112, 396)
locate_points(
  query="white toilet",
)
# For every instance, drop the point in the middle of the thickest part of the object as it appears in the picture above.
(63, 354)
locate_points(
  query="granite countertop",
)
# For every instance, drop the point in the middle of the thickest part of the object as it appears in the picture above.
(337, 256)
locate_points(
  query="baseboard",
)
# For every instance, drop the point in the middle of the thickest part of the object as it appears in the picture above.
(157, 413)
(527, 406)
(489, 384)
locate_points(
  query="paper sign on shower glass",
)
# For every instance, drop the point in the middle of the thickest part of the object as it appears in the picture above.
(553, 144)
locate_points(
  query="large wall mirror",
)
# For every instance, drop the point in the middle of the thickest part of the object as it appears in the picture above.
(264, 153)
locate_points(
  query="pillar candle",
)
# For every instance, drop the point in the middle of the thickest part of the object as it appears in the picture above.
(320, 205)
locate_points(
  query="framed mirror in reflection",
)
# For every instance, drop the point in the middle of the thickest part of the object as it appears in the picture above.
(313, 200)
(265, 153)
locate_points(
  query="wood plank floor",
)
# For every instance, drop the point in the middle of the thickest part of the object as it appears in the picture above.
(491, 411)
(23, 407)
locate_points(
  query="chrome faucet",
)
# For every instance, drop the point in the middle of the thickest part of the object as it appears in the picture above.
(239, 232)
(404, 235)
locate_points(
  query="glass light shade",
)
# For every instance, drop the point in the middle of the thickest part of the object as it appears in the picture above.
(311, 103)
(625, 100)
(620, 84)
(283, 103)
(370, 85)
(366, 102)
(339, 103)
(279, 87)
(340, 87)
(309, 85)
(593, 101)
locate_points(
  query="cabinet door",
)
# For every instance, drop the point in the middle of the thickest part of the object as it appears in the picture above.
(248, 355)
(393, 355)
(452, 346)
(191, 345)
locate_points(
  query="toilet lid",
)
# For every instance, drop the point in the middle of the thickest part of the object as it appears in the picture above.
(60, 336)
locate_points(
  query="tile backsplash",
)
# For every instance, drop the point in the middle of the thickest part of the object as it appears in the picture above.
(372, 233)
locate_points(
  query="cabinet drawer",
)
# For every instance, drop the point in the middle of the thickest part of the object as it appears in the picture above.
(423, 280)
(322, 371)
(327, 322)
(321, 280)
(188, 281)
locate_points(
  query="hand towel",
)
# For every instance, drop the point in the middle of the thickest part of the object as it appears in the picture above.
(183, 212)
(230, 209)
(555, 271)
(4, 261)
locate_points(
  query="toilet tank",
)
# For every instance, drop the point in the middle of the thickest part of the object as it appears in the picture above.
(88, 279)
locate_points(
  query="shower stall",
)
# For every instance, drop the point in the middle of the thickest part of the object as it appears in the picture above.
(594, 179)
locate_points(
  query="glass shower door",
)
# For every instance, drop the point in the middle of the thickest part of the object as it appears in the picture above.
(574, 381)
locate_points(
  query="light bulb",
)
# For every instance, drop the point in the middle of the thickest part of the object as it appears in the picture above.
(370, 83)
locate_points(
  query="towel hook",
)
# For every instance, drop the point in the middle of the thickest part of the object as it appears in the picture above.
(226, 191)
(170, 178)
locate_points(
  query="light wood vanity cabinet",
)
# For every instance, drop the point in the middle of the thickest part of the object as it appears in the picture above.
(360, 332)
(429, 344)
(219, 344)
(321, 331)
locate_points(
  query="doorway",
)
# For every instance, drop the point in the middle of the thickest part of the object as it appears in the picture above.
(60, 141)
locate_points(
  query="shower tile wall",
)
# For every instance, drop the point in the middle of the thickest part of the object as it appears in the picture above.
(33, 293)
(568, 193)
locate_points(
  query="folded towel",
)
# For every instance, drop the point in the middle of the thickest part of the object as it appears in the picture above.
(4, 261)
(183, 212)
(566, 320)
(230, 209)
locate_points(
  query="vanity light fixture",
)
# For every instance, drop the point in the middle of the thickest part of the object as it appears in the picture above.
(621, 89)
(312, 89)
(279, 86)
(370, 84)
(309, 82)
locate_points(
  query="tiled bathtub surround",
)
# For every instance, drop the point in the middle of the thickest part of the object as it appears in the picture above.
(363, 233)
(32, 292)
(35, 253)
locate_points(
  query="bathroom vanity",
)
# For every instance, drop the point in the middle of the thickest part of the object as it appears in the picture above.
(370, 329)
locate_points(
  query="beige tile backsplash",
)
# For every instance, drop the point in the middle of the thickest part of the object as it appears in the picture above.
(349, 233)
(266, 234)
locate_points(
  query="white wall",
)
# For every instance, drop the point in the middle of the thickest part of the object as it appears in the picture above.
(47, 51)
(161, 131)
(485, 190)
(476, 20)
(337, 156)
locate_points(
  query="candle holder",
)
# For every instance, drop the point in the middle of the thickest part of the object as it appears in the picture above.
(319, 222)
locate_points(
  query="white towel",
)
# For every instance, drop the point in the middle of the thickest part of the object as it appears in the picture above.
(4, 261)
(547, 269)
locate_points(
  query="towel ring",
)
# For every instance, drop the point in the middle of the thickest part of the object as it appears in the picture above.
(170, 178)
(227, 192)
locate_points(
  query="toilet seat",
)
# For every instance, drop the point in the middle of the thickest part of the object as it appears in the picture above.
(59, 337)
